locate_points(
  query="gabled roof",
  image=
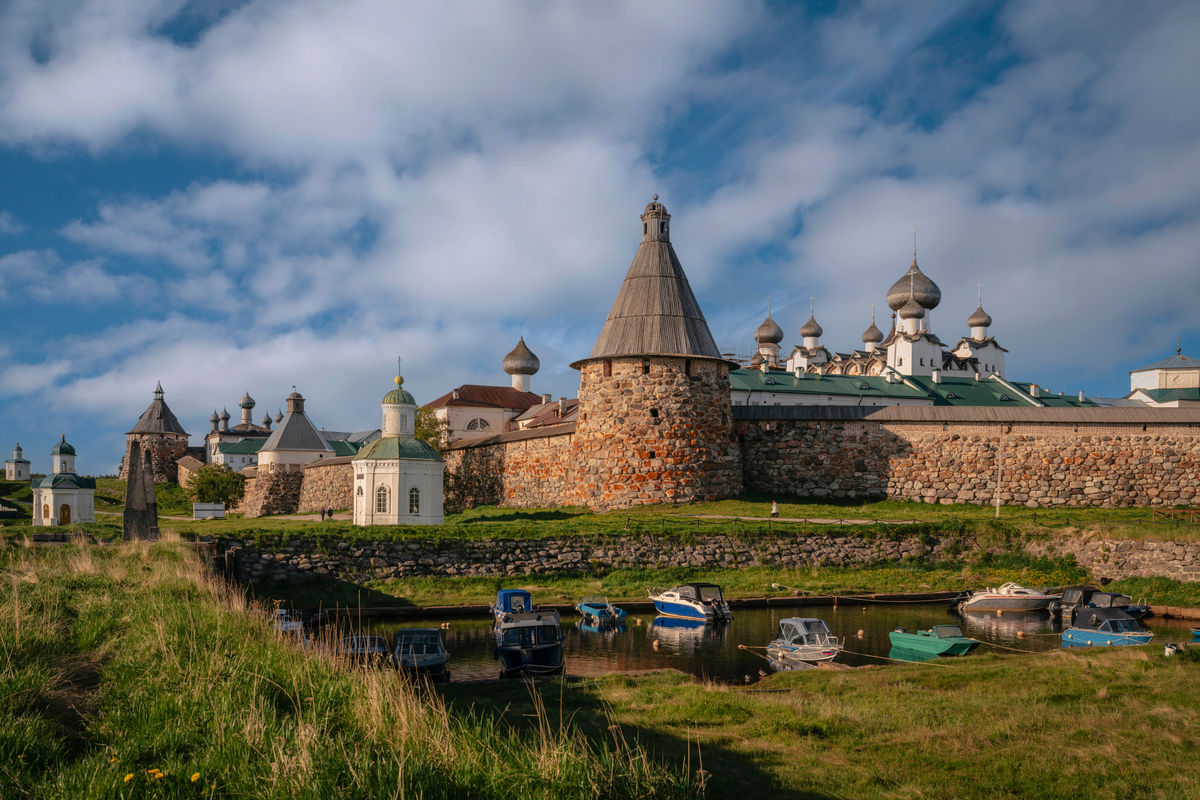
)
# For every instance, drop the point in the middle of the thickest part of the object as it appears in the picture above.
(472, 395)
(548, 414)
(1170, 395)
(158, 418)
(1177, 361)
(295, 432)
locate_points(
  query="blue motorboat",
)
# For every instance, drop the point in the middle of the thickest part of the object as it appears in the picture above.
(510, 601)
(1104, 627)
(1196, 634)
(698, 601)
(596, 610)
(530, 643)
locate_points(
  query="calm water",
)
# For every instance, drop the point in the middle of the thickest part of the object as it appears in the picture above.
(711, 651)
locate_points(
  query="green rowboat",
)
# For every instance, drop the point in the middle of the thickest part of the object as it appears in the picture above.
(940, 640)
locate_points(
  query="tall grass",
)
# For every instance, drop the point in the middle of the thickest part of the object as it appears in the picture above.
(127, 671)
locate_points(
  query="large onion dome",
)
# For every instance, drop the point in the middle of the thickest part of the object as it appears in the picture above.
(914, 285)
(980, 319)
(246, 402)
(768, 332)
(521, 361)
(811, 328)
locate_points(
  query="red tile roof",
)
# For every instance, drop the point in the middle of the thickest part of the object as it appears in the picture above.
(471, 395)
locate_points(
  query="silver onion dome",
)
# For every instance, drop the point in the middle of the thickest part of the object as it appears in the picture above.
(872, 335)
(914, 285)
(214, 417)
(768, 332)
(224, 414)
(979, 319)
(811, 328)
(246, 402)
(912, 309)
(521, 361)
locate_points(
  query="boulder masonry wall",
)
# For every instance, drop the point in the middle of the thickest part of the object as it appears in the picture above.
(327, 484)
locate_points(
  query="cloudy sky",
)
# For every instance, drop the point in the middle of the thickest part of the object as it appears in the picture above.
(246, 196)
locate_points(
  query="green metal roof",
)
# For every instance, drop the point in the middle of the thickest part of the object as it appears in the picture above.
(1171, 395)
(341, 447)
(62, 448)
(395, 448)
(63, 480)
(246, 447)
(397, 397)
(952, 390)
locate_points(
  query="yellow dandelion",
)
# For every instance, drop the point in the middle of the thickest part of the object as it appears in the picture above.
(159, 776)
(195, 777)
(21, 757)
(152, 770)
(129, 777)
(112, 760)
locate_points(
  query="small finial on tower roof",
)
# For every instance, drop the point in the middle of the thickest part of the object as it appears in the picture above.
(914, 244)
(1179, 346)
(872, 313)
(655, 198)
(399, 373)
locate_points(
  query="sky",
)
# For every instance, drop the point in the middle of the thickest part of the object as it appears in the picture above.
(249, 196)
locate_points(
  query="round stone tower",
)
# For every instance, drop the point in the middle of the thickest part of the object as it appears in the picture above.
(655, 420)
(159, 432)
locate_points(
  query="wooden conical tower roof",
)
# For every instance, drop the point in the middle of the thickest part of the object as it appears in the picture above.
(655, 312)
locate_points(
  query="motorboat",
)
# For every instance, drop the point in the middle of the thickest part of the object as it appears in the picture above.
(421, 651)
(367, 649)
(698, 601)
(804, 639)
(1104, 627)
(1077, 597)
(1196, 634)
(596, 610)
(530, 643)
(940, 640)
(1009, 597)
(298, 620)
(510, 601)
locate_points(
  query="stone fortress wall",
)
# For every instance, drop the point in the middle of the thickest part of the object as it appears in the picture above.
(327, 484)
(1047, 459)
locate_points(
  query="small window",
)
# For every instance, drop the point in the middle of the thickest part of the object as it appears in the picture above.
(654, 413)
(645, 366)
(381, 500)
(414, 500)
(662, 227)
(900, 361)
(651, 454)
(608, 367)
(687, 367)
(645, 229)
(359, 492)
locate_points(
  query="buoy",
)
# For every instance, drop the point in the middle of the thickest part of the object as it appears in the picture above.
(860, 633)
(999, 612)
(1020, 634)
(655, 645)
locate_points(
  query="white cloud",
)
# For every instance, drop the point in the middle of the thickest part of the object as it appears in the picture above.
(9, 225)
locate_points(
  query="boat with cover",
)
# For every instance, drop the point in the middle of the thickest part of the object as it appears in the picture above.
(1104, 627)
(510, 601)
(530, 642)
(804, 639)
(596, 610)
(1009, 597)
(372, 650)
(1077, 597)
(940, 640)
(699, 601)
(421, 651)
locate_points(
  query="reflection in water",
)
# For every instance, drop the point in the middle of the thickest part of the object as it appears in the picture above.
(1007, 628)
(791, 665)
(711, 651)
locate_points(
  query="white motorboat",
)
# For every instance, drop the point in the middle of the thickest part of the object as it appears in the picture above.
(1009, 597)
(804, 639)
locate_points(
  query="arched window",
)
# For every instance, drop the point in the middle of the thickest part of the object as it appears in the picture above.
(414, 501)
(46, 511)
(359, 492)
(381, 500)
(479, 424)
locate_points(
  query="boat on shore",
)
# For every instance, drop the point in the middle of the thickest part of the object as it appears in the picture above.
(1105, 627)
(940, 640)
(1196, 634)
(698, 601)
(597, 611)
(421, 651)
(803, 639)
(530, 643)
(368, 650)
(1009, 597)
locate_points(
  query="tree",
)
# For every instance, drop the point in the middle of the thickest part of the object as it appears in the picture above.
(216, 483)
(432, 429)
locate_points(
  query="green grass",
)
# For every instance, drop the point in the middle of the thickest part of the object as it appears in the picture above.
(120, 660)
(1158, 591)
(632, 584)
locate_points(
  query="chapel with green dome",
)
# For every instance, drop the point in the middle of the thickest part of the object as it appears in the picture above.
(397, 477)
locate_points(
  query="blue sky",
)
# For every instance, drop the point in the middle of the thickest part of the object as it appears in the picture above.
(234, 197)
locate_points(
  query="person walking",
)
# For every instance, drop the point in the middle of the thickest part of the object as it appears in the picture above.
(774, 509)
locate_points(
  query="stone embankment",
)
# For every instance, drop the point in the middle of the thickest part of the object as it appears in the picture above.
(297, 559)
